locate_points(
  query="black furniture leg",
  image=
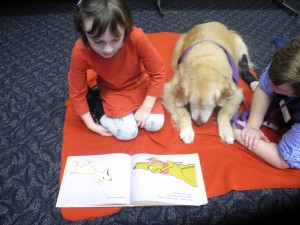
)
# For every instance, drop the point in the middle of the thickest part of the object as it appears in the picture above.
(286, 7)
(158, 6)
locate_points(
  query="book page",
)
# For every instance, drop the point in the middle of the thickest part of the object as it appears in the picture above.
(95, 180)
(167, 179)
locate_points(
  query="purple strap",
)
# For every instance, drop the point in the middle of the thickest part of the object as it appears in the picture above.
(277, 109)
(244, 116)
(240, 116)
(231, 60)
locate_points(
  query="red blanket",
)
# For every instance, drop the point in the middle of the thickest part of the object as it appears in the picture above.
(225, 167)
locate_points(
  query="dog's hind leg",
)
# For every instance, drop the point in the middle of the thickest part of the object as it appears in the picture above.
(241, 51)
(245, 73)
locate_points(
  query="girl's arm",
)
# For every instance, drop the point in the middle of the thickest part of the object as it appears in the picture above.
(251, 133)
(153, 63)
(259, 106)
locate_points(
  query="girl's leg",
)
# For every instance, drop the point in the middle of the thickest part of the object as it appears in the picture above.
(155, 122)
(124, 128)
(95, 105)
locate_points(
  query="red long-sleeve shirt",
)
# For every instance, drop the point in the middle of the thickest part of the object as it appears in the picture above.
(135, 71)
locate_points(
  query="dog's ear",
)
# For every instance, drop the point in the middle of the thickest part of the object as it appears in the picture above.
(180, 97)
(224, 93)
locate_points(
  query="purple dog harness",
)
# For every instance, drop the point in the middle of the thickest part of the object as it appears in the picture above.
(230, 58)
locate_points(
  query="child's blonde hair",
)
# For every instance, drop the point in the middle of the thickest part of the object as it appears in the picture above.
(106, 14)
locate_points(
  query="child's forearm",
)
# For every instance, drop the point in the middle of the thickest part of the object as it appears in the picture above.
(259, 106)
(148, 103)
(268, 151)
(88, 120)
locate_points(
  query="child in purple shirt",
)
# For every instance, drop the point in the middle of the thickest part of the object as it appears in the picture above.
(279, 83)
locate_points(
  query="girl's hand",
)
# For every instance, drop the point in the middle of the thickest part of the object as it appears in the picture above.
(99, 129)
(141, 115)
(251, 136)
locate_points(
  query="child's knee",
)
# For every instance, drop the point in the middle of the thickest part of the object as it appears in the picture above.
(128, 134)
(124, 128)
(155, 122)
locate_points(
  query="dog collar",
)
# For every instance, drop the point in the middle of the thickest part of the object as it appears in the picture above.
(231, 60)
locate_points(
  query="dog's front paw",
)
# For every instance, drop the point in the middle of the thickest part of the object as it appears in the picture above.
(226, 135)
(187, 135)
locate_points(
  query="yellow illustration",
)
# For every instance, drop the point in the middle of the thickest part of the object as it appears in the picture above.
(88, 168)
(183, 172)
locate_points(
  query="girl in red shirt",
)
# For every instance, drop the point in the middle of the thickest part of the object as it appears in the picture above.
(130, 72)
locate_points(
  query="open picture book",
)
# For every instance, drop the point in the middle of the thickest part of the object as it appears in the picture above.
(119, 179)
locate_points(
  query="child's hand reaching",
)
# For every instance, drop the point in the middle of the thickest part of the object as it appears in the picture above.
(141, 116)
(97, 128)
(251, 136)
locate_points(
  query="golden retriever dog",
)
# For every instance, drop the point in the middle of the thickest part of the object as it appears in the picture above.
(204, 79)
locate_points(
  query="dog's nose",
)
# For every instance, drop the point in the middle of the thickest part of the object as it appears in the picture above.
(199, 121)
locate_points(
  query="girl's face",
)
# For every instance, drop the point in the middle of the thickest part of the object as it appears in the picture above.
(283, 89)
(107, 45)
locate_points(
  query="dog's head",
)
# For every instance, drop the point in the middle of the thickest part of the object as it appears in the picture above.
(202, 93)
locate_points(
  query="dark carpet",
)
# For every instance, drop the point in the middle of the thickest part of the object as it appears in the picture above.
(36, 39)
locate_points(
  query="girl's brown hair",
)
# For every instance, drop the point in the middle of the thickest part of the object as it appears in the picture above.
(106, 14)
(285, 65)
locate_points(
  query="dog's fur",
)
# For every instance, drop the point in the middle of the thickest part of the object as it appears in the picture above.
(204, 80)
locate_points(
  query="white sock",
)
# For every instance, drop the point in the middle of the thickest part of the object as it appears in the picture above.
(155, 122)
(124, 128)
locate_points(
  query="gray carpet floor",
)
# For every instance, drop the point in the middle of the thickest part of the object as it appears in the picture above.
(36, 39)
